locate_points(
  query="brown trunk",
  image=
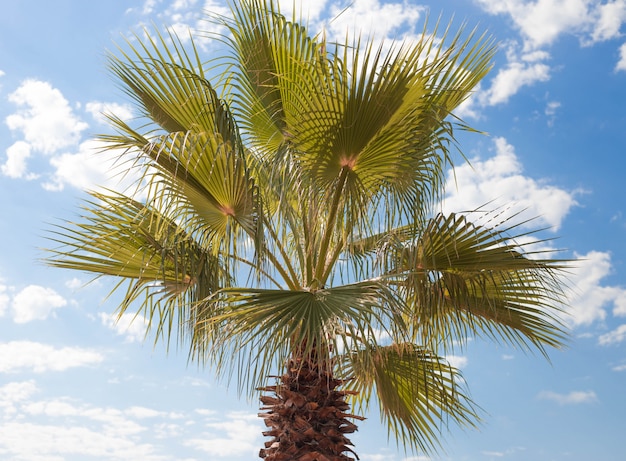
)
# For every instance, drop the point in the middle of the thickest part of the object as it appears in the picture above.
(307, 416)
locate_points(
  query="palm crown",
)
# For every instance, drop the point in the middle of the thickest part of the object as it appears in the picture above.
(288, 220)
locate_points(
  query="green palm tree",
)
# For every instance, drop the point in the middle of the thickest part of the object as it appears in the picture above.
(286, 227)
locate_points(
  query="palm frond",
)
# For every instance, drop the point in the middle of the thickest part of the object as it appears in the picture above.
(464, 279)
(165, 269)
(418, 393)
(277, 66)
(201, 159)
(265, 326)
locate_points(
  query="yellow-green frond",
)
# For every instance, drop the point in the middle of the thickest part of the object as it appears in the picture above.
(418, 393)
(165, 268)
(464, 279)
(262, 327)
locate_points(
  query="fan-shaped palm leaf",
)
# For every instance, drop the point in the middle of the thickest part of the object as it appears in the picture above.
(166, 270)
(465, 279)
(416, 390)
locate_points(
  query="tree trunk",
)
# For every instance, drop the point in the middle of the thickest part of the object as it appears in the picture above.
(307, 416)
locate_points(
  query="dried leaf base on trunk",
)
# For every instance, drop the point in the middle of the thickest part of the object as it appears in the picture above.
(307, 417)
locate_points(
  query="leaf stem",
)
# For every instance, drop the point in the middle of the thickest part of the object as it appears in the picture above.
(320, 269)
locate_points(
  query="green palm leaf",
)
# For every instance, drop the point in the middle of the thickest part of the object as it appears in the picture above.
(269, 324)
(464, 280)
(166, 270)
(201, 159)
(416, 391)
(277, 68)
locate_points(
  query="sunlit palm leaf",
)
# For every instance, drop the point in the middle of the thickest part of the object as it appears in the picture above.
(465, 279)
(384, 114)
(416, 390)
(202, 157)
(167, 83)
(166, 270)
(269, 324)
(276, 62)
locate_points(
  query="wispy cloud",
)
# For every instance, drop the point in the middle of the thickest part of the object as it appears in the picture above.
(522, 70)
(235, 435)
(17, 356)
(99, 110)
(616, 336)
(572, 398)
(35, 427)
(457, 361)
(621, 63)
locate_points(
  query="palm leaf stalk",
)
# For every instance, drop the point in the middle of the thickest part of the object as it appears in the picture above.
(288, 227)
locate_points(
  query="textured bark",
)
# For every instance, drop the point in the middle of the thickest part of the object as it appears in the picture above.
(307, 417)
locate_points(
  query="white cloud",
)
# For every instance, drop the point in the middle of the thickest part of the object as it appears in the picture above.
(308, 9)
(550, 111)
(18, 356)
(619, 368)
(52, 442)
(498, 181)
(99, 110)
(15, 165)
(241, 432)
(148, 6)
(616, 336)
(457, 361)
(13, 393)
(91, 167)
(542, 22)
(589, 298)
(74, 283)
(185, 16)
(609, 18)
(573, 398)
(35, 303)
(5, 299)
(55, 429)
(520, 71)
(138, 412)
(132, 327)
(621, 63)
(17, 391)
(377, 457)
(373, 18)
(619, 302)
(44, 117)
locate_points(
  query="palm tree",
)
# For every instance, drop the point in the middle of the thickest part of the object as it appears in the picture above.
(286, 227)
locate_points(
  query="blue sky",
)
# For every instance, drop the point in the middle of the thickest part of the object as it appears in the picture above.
(74, 385)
